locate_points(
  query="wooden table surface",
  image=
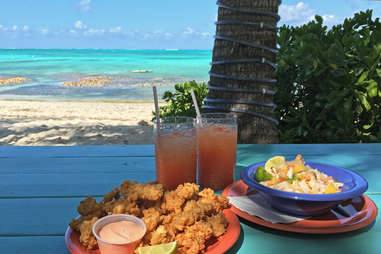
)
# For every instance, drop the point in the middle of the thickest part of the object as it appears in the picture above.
(40, 188)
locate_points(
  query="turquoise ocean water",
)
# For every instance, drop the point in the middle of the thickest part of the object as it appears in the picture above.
(45, 69)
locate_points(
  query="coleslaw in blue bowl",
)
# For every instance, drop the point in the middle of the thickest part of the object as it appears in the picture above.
(352, 185)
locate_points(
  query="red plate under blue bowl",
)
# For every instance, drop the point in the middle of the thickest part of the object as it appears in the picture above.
(309, 204)
(363, 211)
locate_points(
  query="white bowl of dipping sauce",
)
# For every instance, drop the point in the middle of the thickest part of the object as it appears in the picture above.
(119, 233)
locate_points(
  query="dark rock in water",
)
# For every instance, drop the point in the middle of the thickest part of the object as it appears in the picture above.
(141, 71)
(60, 140)
(143, 123)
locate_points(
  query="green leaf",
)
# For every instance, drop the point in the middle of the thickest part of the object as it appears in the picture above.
(367, 127)
(364, 102)
(363, 76)
(378, 71)
(316, 63)
(372, 88)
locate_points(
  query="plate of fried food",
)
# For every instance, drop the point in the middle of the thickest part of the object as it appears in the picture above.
(199, 221)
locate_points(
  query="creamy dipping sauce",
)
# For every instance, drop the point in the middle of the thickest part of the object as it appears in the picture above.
(121, 232)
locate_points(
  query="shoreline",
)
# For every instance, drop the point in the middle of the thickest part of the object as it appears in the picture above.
(39, 123)
(84, 100)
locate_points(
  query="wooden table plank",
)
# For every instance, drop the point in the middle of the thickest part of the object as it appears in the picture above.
(84, 165)
(148, 150)
(80, 166)
(39, 216)
(63, 185)
(36, 244)
(75, 151)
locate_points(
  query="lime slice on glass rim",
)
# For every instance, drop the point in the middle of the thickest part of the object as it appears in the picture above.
(274, 162)
(166, 248)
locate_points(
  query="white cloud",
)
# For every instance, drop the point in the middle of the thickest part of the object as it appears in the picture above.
(79, 29)
(94, 32)
(79, 25)
(15, 29)
(85, 5)
(299, 13)
(157, 34)
(59, 32)
(168, 35)
(147, 36)
(132, 34)
(161, 34)
(205, 34)
(3, 28)
(188, 31)
(44, 31)
(330, 20)
(117, 29)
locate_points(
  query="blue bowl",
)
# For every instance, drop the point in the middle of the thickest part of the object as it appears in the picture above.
(308, 204)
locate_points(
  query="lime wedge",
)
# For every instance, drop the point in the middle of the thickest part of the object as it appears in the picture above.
(166, 248)
(262, 175)
(274, 162)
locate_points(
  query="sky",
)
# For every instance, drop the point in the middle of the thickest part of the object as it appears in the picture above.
(142, 24)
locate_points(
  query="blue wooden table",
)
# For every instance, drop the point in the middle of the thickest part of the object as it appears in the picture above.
(40, 188)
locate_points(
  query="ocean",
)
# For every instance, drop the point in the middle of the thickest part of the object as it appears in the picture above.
(46, 69)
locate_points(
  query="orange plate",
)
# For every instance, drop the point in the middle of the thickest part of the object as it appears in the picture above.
(223, 243)
(327, 223)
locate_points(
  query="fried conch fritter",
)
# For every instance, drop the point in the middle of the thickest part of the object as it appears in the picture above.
(186, 215)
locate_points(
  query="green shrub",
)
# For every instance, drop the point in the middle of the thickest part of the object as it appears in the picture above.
(329, 82)
(180, 103)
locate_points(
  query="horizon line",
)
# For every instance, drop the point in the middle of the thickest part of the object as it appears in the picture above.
(169, 49)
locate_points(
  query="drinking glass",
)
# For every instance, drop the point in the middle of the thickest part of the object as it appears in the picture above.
(175, 151)
(216, 149)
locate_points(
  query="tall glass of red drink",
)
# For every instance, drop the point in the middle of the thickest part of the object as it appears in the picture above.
(175, 151)
(216, 149)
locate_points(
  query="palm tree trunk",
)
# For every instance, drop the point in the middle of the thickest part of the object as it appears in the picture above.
(242, 77)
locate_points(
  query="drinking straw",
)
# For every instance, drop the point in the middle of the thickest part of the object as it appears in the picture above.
(196, 106)
(156, 108)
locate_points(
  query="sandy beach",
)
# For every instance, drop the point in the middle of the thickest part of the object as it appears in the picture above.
(75, 123)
